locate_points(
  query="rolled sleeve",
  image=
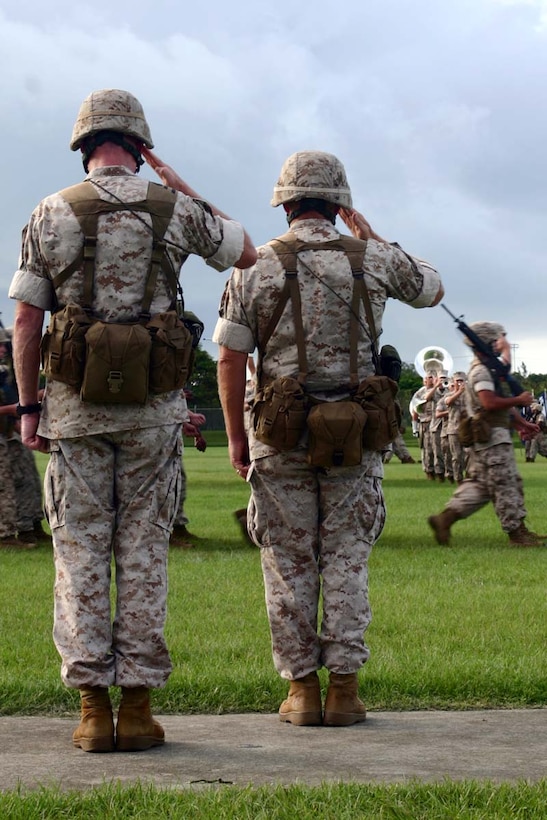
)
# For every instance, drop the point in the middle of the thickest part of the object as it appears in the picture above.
(431, 282)
(484, 385)
(233, 336)
(31, 289)
(231, 247)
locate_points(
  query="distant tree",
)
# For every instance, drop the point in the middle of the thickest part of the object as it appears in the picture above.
(410, 378)
(535, 382)
(202, 386)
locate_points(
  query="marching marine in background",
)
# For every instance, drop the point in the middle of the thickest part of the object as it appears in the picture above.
(536, 444)
(104, 257)
(492, 470)
(313, 306)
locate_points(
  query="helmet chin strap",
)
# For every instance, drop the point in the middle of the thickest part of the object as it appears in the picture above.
(91, 143)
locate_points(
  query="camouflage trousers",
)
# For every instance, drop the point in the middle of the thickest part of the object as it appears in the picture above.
(458, 455)
(8, 514)
(27, 484)
(492, 476)
(428, 454)
(437, 447)
(113, 498)
(181, 519)
(316, 529)
(447, 456)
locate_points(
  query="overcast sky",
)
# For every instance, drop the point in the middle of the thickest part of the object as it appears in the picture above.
(437, 110)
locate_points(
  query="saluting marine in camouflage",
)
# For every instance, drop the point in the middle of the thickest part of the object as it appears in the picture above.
(492, 473)
(315, 526)
(112, 483)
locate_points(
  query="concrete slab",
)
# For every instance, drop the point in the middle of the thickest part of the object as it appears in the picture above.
(257, 749)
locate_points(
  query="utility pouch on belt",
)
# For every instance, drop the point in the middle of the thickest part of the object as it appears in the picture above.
(63, 345)
(474, 430)
(117, 364)
(171, 354)
(376, 395)
(336, 434)
(481, 429)
(465, 432)
(279, 413)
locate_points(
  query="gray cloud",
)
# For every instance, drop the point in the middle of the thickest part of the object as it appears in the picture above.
(433, 107)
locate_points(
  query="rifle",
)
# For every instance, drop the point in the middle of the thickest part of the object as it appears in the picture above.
(497, 367)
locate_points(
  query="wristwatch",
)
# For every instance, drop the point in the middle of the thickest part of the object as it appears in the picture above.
(23, 410)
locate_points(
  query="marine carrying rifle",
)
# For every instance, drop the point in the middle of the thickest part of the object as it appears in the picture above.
(497, 367)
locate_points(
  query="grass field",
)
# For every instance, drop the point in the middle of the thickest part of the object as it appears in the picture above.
(454, 627)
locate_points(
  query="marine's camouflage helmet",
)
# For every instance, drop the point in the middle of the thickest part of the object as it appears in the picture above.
(312, 175)
(110, 110)
(488, 332)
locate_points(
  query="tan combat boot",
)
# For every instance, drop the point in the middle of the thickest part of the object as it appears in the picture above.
(343, 707)
(96, 730)
(136, 729)
(303, 706)
(522, 537)
(440, 524)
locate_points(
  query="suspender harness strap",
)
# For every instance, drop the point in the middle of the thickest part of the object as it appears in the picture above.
(118, 363)
(87, 205)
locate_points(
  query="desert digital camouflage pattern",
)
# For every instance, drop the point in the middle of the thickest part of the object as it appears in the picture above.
(27, 485)
(282, 520)
(134, 527)
(495, 478)
(113, 481)
(486, 331)
(491, 466)
(110, 109)
(313, 174)
(53, 239)
(299, 553)
(251, 296)
(7, 493)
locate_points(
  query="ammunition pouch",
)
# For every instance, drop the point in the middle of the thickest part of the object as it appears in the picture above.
(279, 413)
(63, 345)
(474, 430)
(172, 352)
(117, 364)
(336, 434)
(376, 395)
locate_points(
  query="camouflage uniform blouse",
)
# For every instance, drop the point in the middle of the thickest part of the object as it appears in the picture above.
(53, 239)
(480, 378)
(326, 288)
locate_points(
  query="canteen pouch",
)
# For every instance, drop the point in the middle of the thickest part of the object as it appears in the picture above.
(480, 428)
(117, 364)
(63, 345)
(376, 395)
(336, 434)
(465, 432)
(279, 413)
(171, 353)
